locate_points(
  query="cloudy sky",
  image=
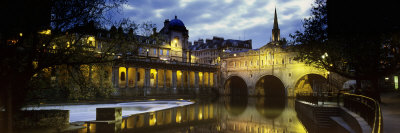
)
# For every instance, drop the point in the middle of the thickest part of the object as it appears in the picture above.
(231, 19)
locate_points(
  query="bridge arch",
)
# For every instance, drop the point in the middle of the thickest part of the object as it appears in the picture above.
(235, 86)
(270, 86)
(311, 82)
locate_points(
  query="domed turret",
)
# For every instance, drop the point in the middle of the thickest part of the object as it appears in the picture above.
(177, 24)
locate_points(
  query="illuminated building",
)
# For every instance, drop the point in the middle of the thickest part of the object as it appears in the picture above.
(209, 52)
(268, 71)
(165, 68)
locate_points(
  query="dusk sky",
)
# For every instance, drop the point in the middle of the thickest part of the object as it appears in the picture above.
(231, 19)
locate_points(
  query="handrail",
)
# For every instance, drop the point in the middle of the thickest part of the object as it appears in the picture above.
(360, 105)
(368, 108)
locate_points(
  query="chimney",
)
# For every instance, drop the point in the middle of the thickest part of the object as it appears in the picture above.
(154, 31)
(166, 22)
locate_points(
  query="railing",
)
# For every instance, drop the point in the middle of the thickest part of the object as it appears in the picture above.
(157, 60)
(317, 98)
(368, 108)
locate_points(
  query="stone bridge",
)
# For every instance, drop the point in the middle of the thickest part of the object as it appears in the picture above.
(268, 71)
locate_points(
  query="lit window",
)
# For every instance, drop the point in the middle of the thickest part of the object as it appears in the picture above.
(155, 51)
(161, 51)
(167, 52)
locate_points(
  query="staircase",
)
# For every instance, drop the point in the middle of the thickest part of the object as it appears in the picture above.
(322, 119)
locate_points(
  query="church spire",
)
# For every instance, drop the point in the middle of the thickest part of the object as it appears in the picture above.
(276, 21)
(275, 30)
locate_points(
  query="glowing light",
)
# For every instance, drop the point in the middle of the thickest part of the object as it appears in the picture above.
(20, 34)
(396, 82)
(386, 78)
(45, 32)
(178, 116)
(234, 55)
(91, 41)
(324, 55)
(67, 44)
(152, 119)
(35, 64)
(147, 50)
(91, 38)
(200, 115)
(55, 46)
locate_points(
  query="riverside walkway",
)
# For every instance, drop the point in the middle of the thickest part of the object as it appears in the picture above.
(391, 111)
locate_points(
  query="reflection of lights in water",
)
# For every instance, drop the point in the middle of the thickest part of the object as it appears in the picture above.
(88, 112)
(152, 120)
(200, 116)
(178, 116)
(249, 121)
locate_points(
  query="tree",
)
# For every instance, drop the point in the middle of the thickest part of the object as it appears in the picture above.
(349, 44)
(39, 35)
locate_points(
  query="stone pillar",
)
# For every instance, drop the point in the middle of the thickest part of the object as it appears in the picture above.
(174, 81)
(165, 78)
(215, 79)
(147, 78)
(117, 77)
(188, 79)
(156, 78)
(183, 80)
(109, 114)
(126, 79)
(203, 84)
(209, 79)
(196, 81)
(113, 76)
(136, 75)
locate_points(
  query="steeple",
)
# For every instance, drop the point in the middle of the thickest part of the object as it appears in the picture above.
(276, 21)
(275, 30)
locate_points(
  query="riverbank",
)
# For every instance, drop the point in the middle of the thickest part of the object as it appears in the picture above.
(41, 102)
(391, 111)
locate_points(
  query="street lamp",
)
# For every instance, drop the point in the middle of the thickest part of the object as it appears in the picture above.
(147, 53)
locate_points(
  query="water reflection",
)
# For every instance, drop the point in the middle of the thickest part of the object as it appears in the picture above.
(270, 108)
(227, 114)
(235, 105)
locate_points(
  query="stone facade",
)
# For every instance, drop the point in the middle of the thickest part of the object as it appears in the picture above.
(270, 60)
(210, 51)
(274, 61)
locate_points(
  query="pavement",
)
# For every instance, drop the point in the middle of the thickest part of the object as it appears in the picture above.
(391, 111)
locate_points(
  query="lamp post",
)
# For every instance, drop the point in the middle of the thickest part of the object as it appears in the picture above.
(147, 53)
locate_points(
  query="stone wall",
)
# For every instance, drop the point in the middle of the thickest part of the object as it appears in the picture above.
(41, 119)
(318, 118)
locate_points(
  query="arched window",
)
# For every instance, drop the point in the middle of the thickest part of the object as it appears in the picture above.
(122, 76)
